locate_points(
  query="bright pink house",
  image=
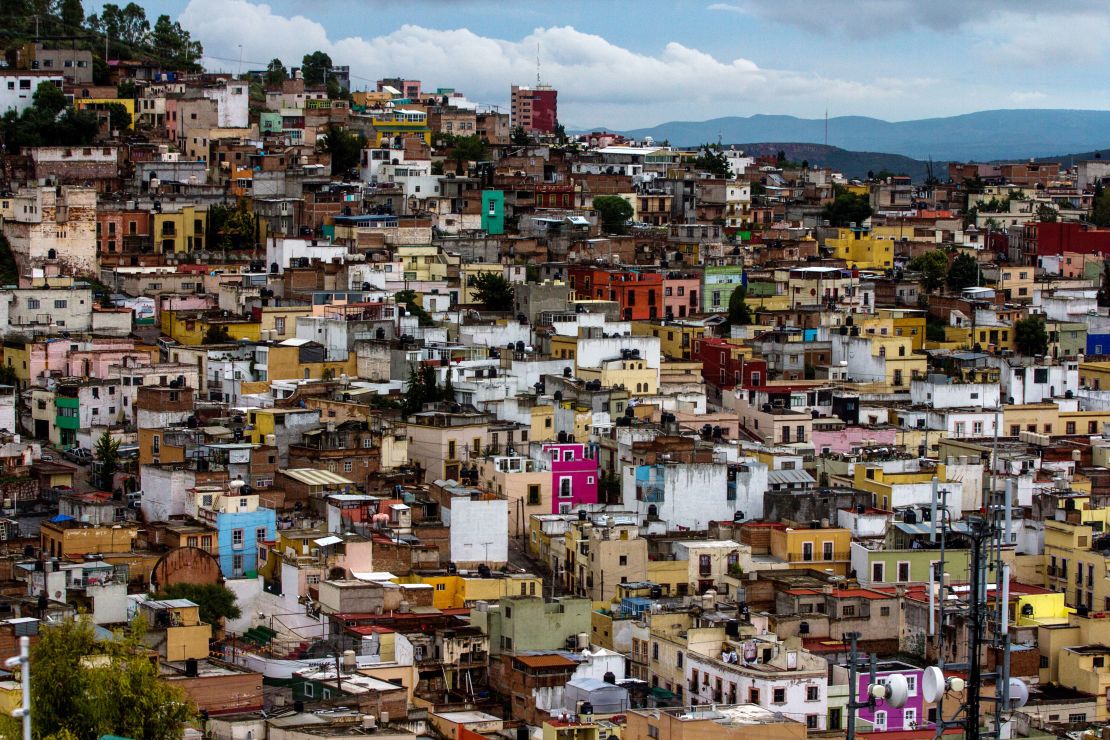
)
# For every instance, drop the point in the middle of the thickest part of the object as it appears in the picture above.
(573, 476)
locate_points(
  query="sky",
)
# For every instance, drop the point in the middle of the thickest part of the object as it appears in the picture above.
(636, 63)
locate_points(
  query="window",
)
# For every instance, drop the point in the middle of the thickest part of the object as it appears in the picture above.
(878, 572)
(655, 651)
(880, 721)
(236, 538)
(533, 495)
(909, 718)
(348, 466)
(778, 695)
(565, 488)
(884, 611)
(813, 693)
(812, 722)
(260, 534)
(1077, 717)
(451, 449)
(623, 560)
(903, 571)
(237, 563)
(678, 659)
(653, 732)
(849, 610)
(826, 551)
(753, 696)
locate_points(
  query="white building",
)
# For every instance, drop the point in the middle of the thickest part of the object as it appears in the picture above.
(479, 524)
(232, 103)
(691, 495)
(1024, 381)
(939, 392)
(17, 87)
(281, 251)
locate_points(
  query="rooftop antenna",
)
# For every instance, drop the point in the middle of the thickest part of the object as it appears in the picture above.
(537, 64)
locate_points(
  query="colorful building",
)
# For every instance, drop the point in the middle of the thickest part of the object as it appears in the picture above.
(574, 476)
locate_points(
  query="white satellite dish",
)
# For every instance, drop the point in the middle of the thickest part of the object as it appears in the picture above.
(1019, 694)
(895, 691)
(932, 684)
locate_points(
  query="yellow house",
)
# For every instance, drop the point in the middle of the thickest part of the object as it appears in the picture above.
(1075, 565)
(281, 321)
(186, 636)
(421, 262)
(101, 104)
(1042, 418)
(16, 355)
(860, 248)
(1037, 609)
(884, 484)
(469, 272)
(191, 327)
(823, 548)
(264, 422)
(290, 361)
(527, 488)
(1095, 375)
(993, 338)
(633, 374)
(900, 362)
(907, 322)
(1086, 668)
(454, 591)
(676, 338)
(180, 231)
(542, 424)
(1083, 422)
(1016, 281)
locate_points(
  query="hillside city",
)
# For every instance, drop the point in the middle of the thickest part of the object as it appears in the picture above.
(337, 408)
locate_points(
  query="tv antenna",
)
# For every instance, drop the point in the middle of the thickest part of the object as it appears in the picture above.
(537, 64)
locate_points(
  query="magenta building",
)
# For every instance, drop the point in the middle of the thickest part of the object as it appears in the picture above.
(573, 475)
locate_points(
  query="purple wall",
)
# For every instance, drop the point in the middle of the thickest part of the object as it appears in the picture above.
(895, 718)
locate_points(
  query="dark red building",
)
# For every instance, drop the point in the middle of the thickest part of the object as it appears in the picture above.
(535, 108)
(639, 294)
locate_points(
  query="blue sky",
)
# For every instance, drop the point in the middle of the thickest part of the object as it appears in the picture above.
(626, 64)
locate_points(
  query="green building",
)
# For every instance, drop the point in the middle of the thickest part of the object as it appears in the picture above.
(717, 286)
(67, 420)
(493, 211)
(897, 567)
(517, 623)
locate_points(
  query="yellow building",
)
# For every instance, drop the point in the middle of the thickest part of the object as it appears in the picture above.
(264, 422)
(822, 549)
(291, 362)
(676, 338)
(454, 591)
(527, 488)
(1075, 565)
(884, 484)
(542, 424)
(1042, 418)
(101, 104)
(906, 322)
(74, 540)
(860, 248)
(421, 262)
(180, 231)
(633, 374)
(281, 321)
(1083, 422)
(186, 636)
(399, 123)
(1016, 282)
(192, 327)
(469, 272)
(1095, 375)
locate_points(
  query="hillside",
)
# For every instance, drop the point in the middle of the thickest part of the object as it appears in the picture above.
(981, 136)
(852, 164)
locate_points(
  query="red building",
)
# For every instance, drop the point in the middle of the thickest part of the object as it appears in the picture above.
(534, 108)
(639, 294)
(724, 366)
(681, 294)
(1058, 237)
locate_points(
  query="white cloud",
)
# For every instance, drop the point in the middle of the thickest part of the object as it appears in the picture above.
(599, 82)
(880, 17)
(1024, 97)
(1047, 39)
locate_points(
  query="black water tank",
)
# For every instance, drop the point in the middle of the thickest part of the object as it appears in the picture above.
(191, 668)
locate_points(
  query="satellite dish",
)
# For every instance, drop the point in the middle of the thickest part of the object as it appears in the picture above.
(1019, 694)
(895, 691)
(932, 684)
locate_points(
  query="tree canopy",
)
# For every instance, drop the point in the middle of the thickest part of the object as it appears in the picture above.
(1100, 206)
(232, 227)
(345, 148)
(423, 388)
(130, 33)
(85, 688)
(493, 291)
(106, 452)
(964, 272)
(614, 212)
(465, 149)
(407, 298)
(315, 68)
(1030, 336)
(216, 601)
(276, 73)
(712, 159)
(847, 208)
(739, 314)
(933, 266)
(48, 121)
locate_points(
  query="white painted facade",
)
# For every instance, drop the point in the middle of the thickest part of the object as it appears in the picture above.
(17, 88)
(232, 104)
(479, 530)
(939, 393)
(281, 250)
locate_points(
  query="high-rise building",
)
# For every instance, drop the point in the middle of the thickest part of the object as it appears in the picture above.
(535, 108)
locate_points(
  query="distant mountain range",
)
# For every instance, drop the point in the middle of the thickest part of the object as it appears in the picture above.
(852, 164)
(983, 136)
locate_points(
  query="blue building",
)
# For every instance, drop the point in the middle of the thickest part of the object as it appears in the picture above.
(241, 524)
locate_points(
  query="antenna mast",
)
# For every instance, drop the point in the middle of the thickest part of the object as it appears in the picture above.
(537, 64)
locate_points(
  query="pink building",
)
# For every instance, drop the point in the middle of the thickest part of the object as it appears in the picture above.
(681, 295)
(66, 357)
(573, 476)
(850, 438)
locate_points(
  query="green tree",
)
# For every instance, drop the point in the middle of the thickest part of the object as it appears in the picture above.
(493, 291)
(83, 688)
(71, 14)
(127, 90)
(1030, 336)
(964, 272)
(739, 314)
(407, 298)
(232, 227)
(847, 208)
(216, 334)
(106, 451)
(125, 27)
(276, 73)
(422, 389)
(49, 99)
(519, 137)
(48, 121)
(216, 601)
(174, 44)
(1103, 291)
(315, 68)
(119, 118)
(1100, 206)
(933, 266)
(345, 148)
(466, 149)
(614, 212)
(1046, 213)
(712, 160)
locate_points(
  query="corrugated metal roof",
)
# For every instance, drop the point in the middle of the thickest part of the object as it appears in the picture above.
(546, 661)
(311, 477)
(789, 476)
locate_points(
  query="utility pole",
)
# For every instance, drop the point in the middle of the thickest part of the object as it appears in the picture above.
(23, 660)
